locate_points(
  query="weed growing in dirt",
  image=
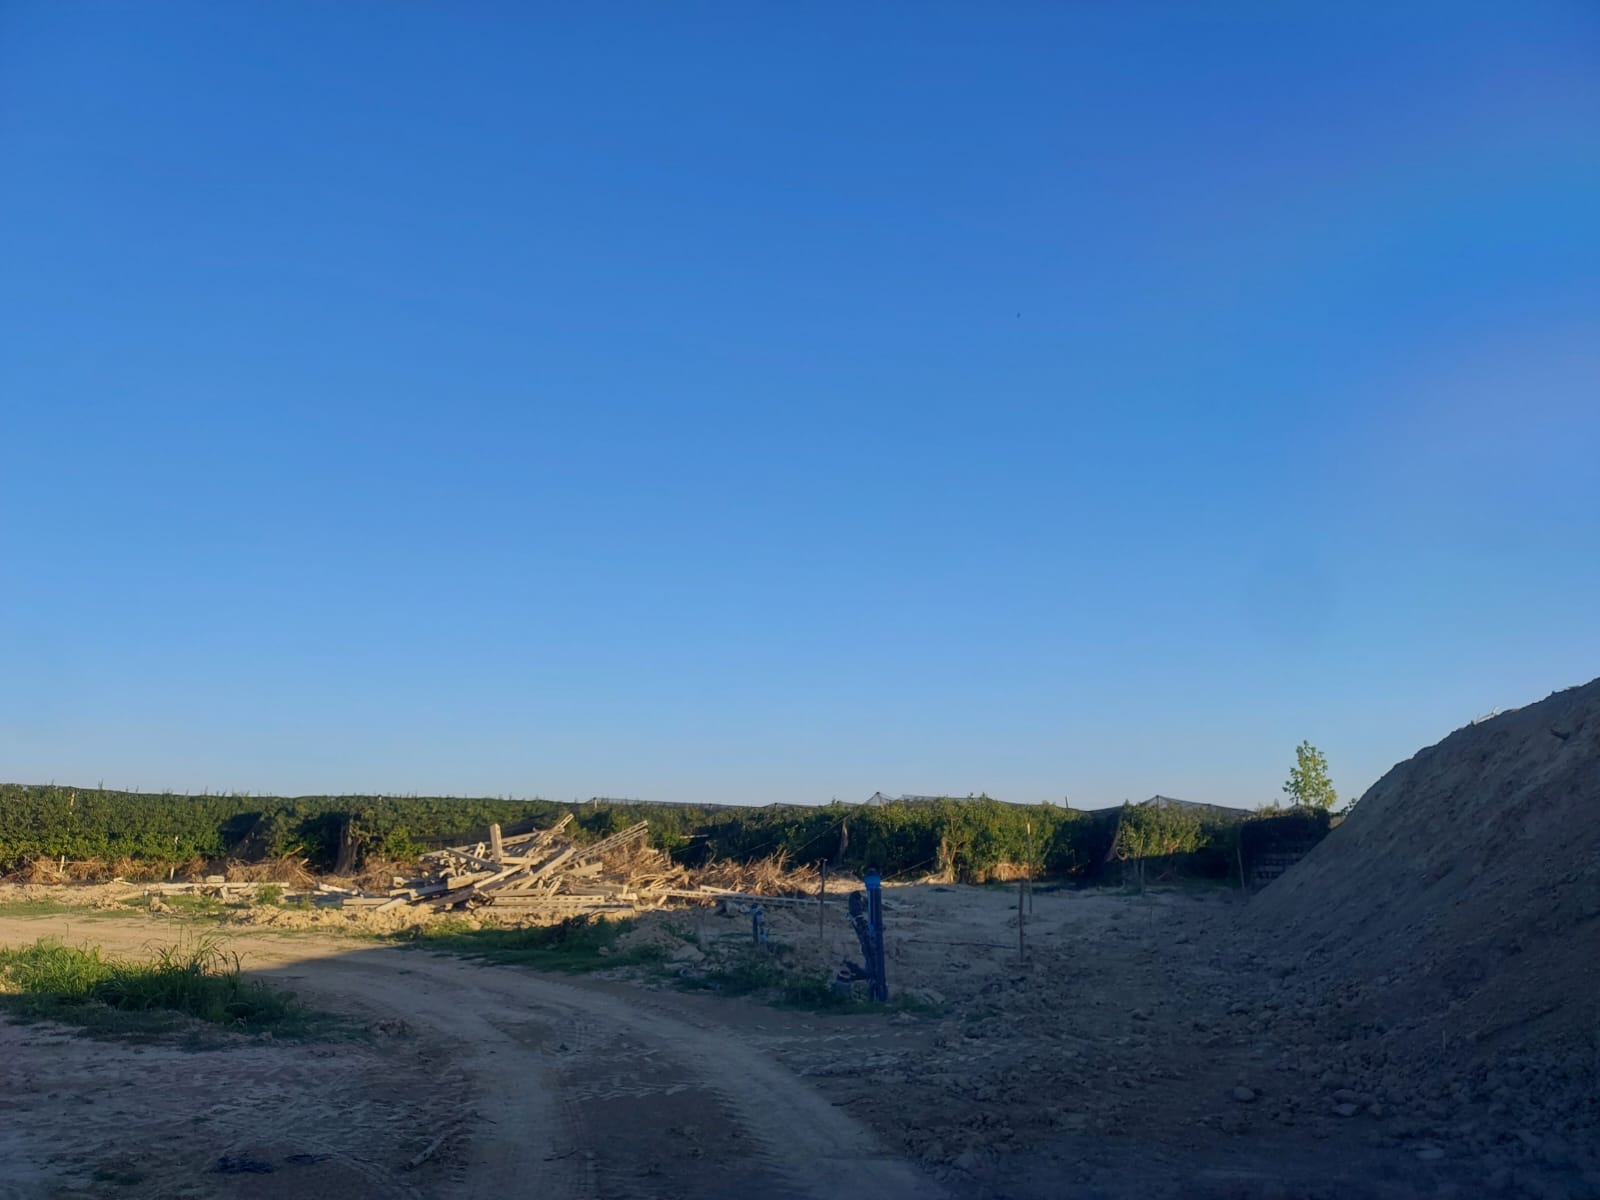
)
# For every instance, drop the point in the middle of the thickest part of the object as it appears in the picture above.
(575, 944)
(201, 906)
(764, 974)
(920, 1006)
(48, 908)
(197, 979)
(270, 893)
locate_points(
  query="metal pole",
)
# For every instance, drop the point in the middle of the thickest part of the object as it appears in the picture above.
(880, 983)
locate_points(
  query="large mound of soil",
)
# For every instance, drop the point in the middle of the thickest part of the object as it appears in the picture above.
(1463, 891)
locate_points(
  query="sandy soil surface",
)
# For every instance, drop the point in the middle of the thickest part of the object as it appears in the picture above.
(535, 1085)
(1147, 1046)
(1468, 880)
(1151, 1046)
(1412, 1011)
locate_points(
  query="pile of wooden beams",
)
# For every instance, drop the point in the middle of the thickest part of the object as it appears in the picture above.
(546, 873)
(542, 874)
(541, 870)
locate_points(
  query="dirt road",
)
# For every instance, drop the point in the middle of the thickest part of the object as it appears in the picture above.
(1145, 1049)
(500, 1082)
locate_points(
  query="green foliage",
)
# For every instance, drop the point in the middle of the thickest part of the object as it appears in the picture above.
(968, 838)
(202, 906)
(1277, 831)
(198, 979)
(1186, 842)
(1309, 785)
(1155, 831)
(96, 825)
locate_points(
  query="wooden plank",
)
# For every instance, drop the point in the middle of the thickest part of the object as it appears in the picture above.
(591, 889)
(497, 850)
(472, 860)
(456, 879)
(522, 842)
(568, 904)
(496, 876)
(182, 889)
(612, 842)
(525, 898)
(540, 836)
(543, 872)
(712, 895)
(449, 857)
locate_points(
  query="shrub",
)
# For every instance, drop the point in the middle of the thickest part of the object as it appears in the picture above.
(970, 839)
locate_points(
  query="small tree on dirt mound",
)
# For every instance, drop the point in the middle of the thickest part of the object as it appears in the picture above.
(1309, 785)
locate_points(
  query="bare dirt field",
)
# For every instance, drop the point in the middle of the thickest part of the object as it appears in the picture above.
(1412, 1011)
(1136, 1052)
(532, 1084)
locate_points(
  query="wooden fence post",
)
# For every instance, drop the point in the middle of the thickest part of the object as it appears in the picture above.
(1028, 825)
(822, 898)
(1022, 918)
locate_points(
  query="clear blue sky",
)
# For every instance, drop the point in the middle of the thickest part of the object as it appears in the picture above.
(776, 402)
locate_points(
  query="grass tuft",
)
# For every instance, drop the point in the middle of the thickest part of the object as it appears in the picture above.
(45, 907)
(197, 979)
(202, 906)
(576, 944)
(765, 976)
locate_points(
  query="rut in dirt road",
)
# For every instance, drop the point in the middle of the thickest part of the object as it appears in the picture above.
(593, 1095)
(575, 1092)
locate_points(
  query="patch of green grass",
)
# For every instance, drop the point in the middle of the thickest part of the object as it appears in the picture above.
(49, 908)
(197, 979)
(270, 893)
(573, 945)
(201, 906)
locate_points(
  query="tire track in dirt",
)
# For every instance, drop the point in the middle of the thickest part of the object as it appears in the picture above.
(794, 1130)
(797, 1131)
(504, 1149)
(580, 1092)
